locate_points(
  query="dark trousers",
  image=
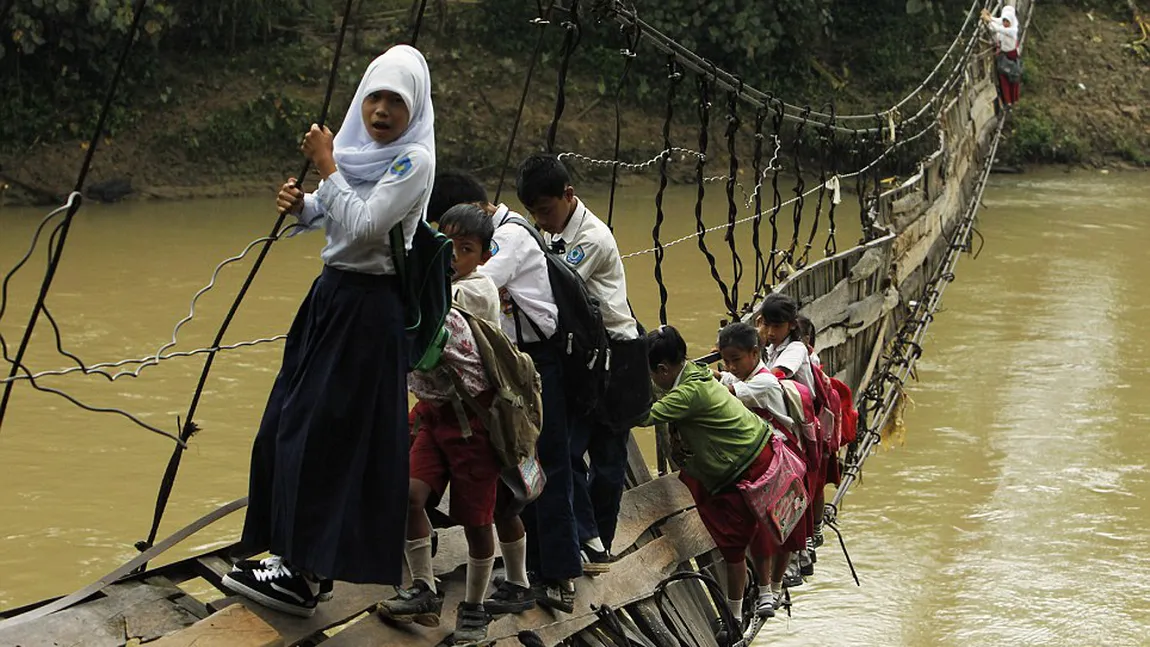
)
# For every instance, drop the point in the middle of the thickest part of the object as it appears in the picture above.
(598, 488)
(329, 471)
(552, 535)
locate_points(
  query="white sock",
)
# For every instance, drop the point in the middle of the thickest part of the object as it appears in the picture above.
(418, 553)
(515, 561)
(777, 587)
(478, 577)
(736, 607)
(596, 544)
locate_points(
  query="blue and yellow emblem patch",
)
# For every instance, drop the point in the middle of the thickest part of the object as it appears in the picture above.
(401, 166)
(576, 255)
(494, 248)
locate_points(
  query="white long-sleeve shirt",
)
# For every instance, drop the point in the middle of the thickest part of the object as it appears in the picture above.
(357, 217)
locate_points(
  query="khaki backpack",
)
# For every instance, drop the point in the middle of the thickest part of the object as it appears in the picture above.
(515, 417)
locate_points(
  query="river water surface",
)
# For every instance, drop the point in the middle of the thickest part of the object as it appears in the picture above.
(1015, 512)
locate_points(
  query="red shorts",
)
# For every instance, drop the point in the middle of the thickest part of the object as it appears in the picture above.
(731, 523)
(441, 455)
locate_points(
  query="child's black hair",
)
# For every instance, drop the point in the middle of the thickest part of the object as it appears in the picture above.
(806, 330)
(740, 335)
(779, 308)
(452, 187)
(665, 346)
(468, 220)
(541, 175)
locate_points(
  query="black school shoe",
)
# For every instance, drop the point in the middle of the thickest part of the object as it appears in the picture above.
(416, 604)
(556, 596)
(471, 621)
(509, 598)
(277, 587)
(325, 586)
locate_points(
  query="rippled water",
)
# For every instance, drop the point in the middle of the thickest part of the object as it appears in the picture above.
(1014, 514)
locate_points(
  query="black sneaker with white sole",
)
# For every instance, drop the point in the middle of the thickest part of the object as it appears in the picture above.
(277, 587)
(325, 586)
(471, 621)
(596, 562)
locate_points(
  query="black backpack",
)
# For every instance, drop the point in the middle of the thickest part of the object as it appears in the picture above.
(424, 273)
(580, 335)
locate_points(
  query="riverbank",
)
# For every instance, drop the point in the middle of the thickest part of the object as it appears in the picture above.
(227, 126)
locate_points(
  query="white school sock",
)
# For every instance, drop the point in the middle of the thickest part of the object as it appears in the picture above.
(777, 587)
(595, 544)
(478, 577)
(418, 553)
(515, 561)
(736, 608)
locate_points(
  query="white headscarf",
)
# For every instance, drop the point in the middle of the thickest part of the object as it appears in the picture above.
(402, 70)
(1008, 36)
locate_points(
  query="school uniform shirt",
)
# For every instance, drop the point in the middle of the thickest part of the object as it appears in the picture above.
(357, 216)
(460, 355)
(588, 245)
(477, 294)
(793, 357)
(760, 391)
(519, 270)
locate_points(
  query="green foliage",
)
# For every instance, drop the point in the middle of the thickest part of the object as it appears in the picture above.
(1036, 137)
(57, 56)
(269, 125)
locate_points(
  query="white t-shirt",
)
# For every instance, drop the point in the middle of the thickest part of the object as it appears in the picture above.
(795, 360)
(760, 391)
(590, 247)
(477, 294)
(519, 270)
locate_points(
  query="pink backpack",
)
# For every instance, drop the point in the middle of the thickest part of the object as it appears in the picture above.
(778, 497)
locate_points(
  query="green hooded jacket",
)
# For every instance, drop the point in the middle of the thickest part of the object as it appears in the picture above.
(720, 436)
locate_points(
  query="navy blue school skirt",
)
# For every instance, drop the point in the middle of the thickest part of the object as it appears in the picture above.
(328, 484)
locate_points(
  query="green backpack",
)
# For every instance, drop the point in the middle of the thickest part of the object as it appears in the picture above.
(424, 273)
(515, 416)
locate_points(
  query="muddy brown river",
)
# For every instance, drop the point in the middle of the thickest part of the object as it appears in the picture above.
(1014, 512)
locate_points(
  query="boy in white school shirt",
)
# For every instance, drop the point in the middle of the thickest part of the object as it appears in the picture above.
(587, 244)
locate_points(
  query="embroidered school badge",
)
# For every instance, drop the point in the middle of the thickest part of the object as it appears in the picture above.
(401, 166)
(494, 248)
(576, 255)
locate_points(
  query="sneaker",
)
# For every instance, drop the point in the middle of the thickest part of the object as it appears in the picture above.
(766, 605)
(416, 604)
(816, 540)
(471, 622)
(276, 587)
(557, 596)
(778, 600)
(794, 574)
(806, 566)
(596, 562)
(325, 586)
(509, 598)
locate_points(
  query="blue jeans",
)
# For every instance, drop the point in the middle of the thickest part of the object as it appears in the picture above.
(552, 536)
(598, 489)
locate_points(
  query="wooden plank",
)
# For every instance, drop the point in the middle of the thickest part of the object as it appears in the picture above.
(234, 626)
(632, 577)
(348, 601)
(647, 619)
(128, 610)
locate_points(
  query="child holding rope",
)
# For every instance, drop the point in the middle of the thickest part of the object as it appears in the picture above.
(329, 463)
(719, 444)
(749, 380)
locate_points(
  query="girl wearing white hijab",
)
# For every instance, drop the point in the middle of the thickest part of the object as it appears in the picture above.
(1005, 30)
(329, 469)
